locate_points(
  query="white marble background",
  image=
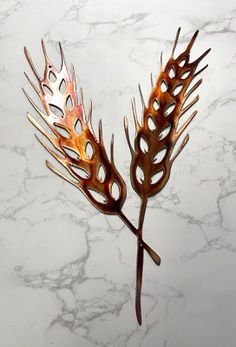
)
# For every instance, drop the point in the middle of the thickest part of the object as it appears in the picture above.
(67, 273)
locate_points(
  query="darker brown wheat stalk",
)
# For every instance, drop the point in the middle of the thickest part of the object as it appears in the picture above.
(156, 137)
(77, 148)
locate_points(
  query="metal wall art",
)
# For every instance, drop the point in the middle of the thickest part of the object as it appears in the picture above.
(76, 146)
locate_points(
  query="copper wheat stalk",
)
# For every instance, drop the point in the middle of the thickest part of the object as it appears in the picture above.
(77, 148)
(156, 137)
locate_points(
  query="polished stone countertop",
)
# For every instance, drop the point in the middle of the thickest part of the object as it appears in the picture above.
(67, 272)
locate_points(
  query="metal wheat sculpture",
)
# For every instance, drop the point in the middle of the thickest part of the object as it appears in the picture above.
(83, 155)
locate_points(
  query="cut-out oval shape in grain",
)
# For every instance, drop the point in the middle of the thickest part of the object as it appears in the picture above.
(160, 156)
(78, 127)
(47, 90)
(62, 87)
(52, 77)
(101, 174)
(62, 131)
(164, 132)
(171, 72)
(80, 172)
(151, 123)
(115, 191)
(89, 150)
(69, 103)
(57, 111)
(139, 174)
(170, 108)
(97, 196)
(156, 177)
(185, 74)
(143, 144)
(182, 62)
(164, 86)
(71, 153)
(156, 105)
(177, 89)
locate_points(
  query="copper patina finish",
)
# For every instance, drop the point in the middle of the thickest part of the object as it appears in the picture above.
(154, 145)
(83, 155)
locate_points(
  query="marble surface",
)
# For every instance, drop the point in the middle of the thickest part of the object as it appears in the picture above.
(67, 273)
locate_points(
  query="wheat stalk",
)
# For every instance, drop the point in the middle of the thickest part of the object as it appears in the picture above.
(156, 137)
(91, 171)
(77, 148)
